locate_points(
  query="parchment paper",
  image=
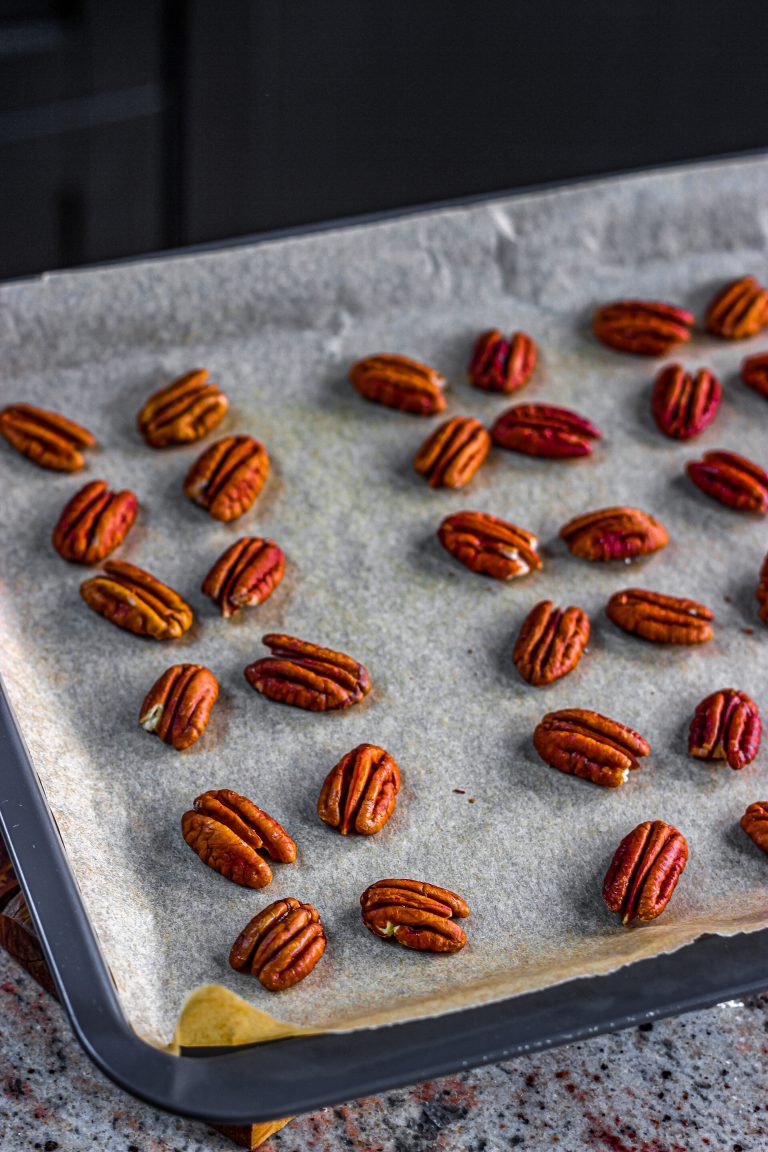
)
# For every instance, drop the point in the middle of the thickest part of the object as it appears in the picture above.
(278, 325)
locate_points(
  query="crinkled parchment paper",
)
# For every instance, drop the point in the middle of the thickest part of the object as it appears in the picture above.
(278, 325)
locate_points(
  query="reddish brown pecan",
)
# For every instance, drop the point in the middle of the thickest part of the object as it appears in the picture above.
(416, 914)
(614, 534)
(281, 944)
(544, 430)
(664, 619)
(137, 601)
(397, 382)
(732, 479)
(645, 327)
(550, 643)
(755, 823)
(645, 870)
(762, 591)
(754, 372)
(683, 404)
(45, 438)
(229, 832)
(246, 574)
(182, 412)
(228, 476)
(726, 726)
(489, 545)
(583, 743)
(360, 793)
(94, 522)
(308, 676)
(178, 705)
(499, 364)
(451, 455)
(740, 309)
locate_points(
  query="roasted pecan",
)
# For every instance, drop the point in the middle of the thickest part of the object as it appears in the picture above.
(754, 372)
(726, 726)
(398, 382)
(281, 944)
(489, 545)
(732, 479)
(178, 705)
(544, 430)
(755, 823)
(550, 643)
(245, 575)
(583, 743)
(137, 601)
(642, 326)
(740, 309)
(762, 591)
(664, 619)
(228, 476)
(683, 404)
(645, 870)
(418, 915)
(499, 364)
(451, 455)
(614, 534)
(308, 676)
(46, 438)
(228, 832)
(360, 793)
(94, 522)
(184, 411)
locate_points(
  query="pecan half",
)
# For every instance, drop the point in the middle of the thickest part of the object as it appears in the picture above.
(451, 455)
(583, 743)
(398, 382)
(281, 944)
(137, 601)
(182, 412)
(499, 364)
(45, 438)
(550, 643)
(178, 705)
(229, 832)
(488, 545)
(614, 534)
(308, 676)
(94, 522)
(645, 870)
(664, 619)
(416, 914)
(755, 823)
(544, 430)
(754, 372)
(683, 404)
(246, 574)
(228, 476)
(360, 793)
(645, 327)
(732, 479)
(740, 309)
(726, 726)
(762, 591)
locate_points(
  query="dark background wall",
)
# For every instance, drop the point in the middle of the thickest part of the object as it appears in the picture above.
(128, 126)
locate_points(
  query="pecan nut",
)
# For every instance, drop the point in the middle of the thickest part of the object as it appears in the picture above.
(645, 870)
(416, 914)
(228, 476)
(499, 364)
(583, 743)
(488, 545)
(762, 591)
(229, 833)
(738, 310)
(645, 327)
(94, 522)
(754, 372)
(726, 726)
(281, 944)
(550, 643)
(663, 619)
(307, 676)
(732, 480)
(755, 823)
(246, 574)
(614, 534)
(46, 438)
(683, 405)
(544, 430)
(137, 601)
(182, 412)
(360, 793)
(398, 382)
(178, 706)
(451, 455)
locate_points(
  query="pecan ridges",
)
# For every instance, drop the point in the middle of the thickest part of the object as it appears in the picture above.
(754, 372)
(550, 643)
(228, 476)
(726, 726)
(94, 522)
(137, 601)
(645, 870)
(45, 438)
(755, 823)
(663, 619)
(182, 412)
(488, 545)
(648, 328)
(544, 430)
(228, 832)
(360, 792)
(246, 574)
(178, 705)
(281, 944)
(739, 310)
(399, 382)
(683, 405)
(499, 364)
(307, 676)
(451, 455)
(762, 591)
(583, 743)
(416, 914)
(731, 479)
(614, 534)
